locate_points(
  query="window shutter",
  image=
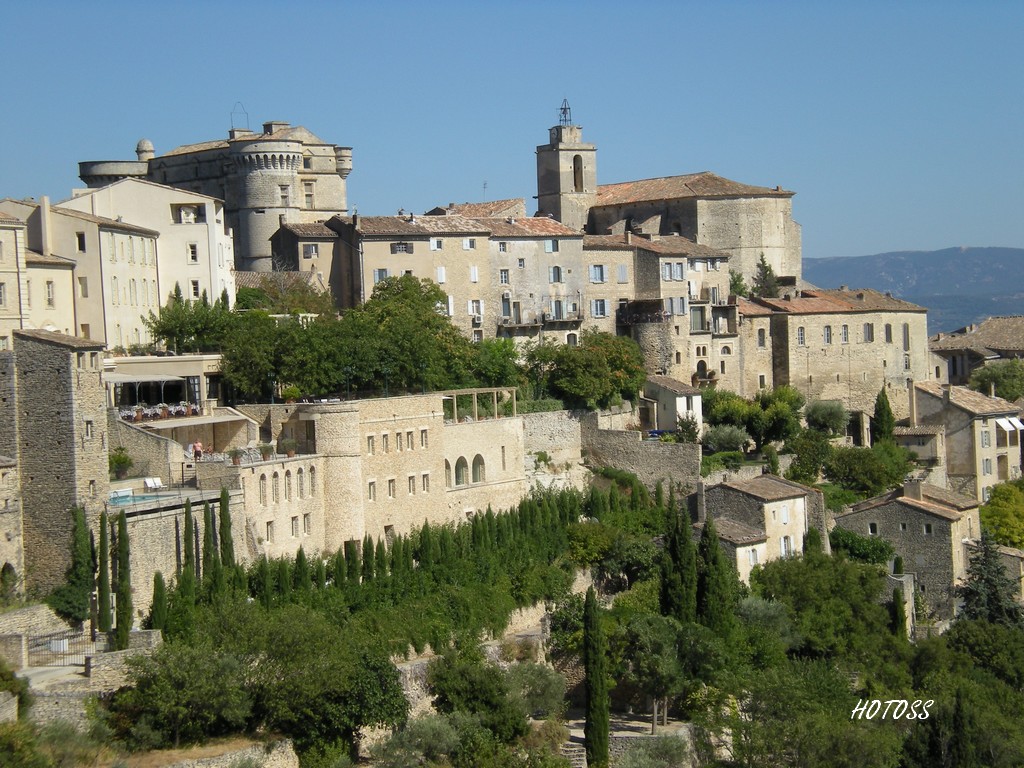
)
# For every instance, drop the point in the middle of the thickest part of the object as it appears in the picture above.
(593, 307)
(469, 307)
(623, 274)
(481, 307)
(451, 306)
(548, 248)
(473, 275)
(394, 247)
(551, 274)
(440, 274)
(409, 247)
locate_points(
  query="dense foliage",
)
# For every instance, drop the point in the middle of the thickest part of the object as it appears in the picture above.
(1007, 376)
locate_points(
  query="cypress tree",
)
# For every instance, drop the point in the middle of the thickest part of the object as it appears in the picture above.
(124, 586)
(381, 559)
(264, 582)
(209, 550)
(716, 588)
(71, 599)
(339, 571)
(103, 585)
(899, 614)
(426, 553)
(301, 577)
(321, 575)
(284, 580)
(367, 559)
(659, 495)
(596, 685)
(189, 560)
(227, 544)
(158, 611)
(883, 422)
(352, 559)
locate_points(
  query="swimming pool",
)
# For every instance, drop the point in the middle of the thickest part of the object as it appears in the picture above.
(139, 498)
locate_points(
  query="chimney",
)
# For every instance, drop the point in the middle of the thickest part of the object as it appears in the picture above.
(45, 231)
(273, 126)
(991, 389)
(355, 221)
(844, 288)
(701, 503)
(912, 489)
(945, 395)
(629, 237)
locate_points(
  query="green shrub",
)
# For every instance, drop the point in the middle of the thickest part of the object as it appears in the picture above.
(725, 437)
(867, 549)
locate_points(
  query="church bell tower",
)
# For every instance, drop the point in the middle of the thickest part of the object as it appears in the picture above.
(566, 173)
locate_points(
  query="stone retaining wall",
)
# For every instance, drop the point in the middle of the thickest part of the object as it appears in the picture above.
(31, 620)
(70, 706)
(279, 755)
(649, 460)
(556, 433)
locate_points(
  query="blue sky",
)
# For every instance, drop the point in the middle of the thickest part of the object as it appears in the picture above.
(900, 125)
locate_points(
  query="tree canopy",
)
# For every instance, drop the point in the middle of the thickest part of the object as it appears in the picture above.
(1006, 375)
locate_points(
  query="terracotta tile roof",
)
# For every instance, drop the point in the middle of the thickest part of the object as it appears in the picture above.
(313, 229)
(1004, 333)
(531, 226)
(60, 339)
(920, 429)
(752, 308)
(947, 497)
(34, 257)
(104, 222)
(736, 532)
(769, 488)
(515, 206)
(974, 403)
(248, 279)
(419, 226)
(670, 245)
(673, 385)
(935, 501)
(817, 301)
(185, 149)
(693, 185)
(6, 218)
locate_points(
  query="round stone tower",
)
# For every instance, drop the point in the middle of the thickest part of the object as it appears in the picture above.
(264, 177)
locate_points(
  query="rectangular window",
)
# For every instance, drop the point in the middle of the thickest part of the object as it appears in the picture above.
(478, 336)
(307, 524)
(425, 483)
(903, 527)
(597, 273)
(384, 443)
(399, 443)
(379, 274)
(827, 334)
(872, 529)
(307, 190)
(408, 440)
(195, 289)
(310, 250)
(371, 491)
(475, 307)
(598, 308)
(927, 529)
(986, 466)
(888, 333)
(80, 241)
(193, 253)
(550, 246)
(423, 438)
(502, 247)
(295, 527)
(986, 438)
(844, 335)
(752, 556)
(869, 332)
(83, 287)
(369, 445)
(88, 430)
(3, 294)
(522, 263)
(401, 248)
(436, 244)
(503, 276)
(469, 243)
(285, 195)
(270, 532)
(800, 337)
(666, 271)
(761, 381)
(412, 485)
(391, 488)
(906, 337)
(50, 293)
(307, 162)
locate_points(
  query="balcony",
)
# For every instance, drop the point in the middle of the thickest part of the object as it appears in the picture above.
(566, 318)
(522, 321)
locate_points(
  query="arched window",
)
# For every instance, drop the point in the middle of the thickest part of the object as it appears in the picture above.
(300, 481)
(288, 486)
(263, 490)
(461, 471)
(571, 340)
(577, 173)
(726, 350)
(275, 488)
(479, 474)
(447, 474)
(312, 481)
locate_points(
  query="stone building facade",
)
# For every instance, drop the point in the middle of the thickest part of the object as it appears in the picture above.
(965, 350)
(62, 445)
(982, 441)
(281, 174)
(930, 528)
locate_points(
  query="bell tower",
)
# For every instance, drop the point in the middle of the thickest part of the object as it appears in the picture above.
(566, 173)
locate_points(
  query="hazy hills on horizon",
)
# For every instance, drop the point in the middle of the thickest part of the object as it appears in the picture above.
(959, 286)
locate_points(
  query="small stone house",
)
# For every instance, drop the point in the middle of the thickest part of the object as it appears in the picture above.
(930, 528)
(762, 519)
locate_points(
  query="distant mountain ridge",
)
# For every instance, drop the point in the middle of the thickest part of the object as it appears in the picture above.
(958, 285)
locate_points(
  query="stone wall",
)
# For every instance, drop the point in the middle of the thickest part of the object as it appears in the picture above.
(70, 706)
(557, 433)
(649, 460)
(8, 707)
(278, 755)
(154, 455)
(36, 619)
(619, 744)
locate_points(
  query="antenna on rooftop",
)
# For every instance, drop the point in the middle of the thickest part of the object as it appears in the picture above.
(565, 113)
(485, 189)
(239, 109)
